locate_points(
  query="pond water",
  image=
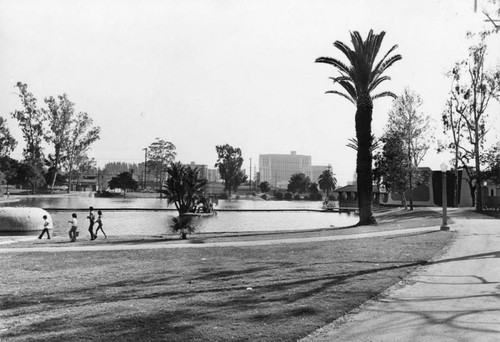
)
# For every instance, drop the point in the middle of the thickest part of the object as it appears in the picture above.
(152, 216)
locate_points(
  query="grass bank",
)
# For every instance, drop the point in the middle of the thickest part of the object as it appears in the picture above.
(267, 293)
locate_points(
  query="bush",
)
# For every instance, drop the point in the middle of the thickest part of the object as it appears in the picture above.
(264, 196)
(297, 197)
(306, 198)
(237, 197)
(288, 196)
(279, 195)
(223, 196)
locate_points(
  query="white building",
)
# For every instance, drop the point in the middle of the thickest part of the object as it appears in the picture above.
(276, 169)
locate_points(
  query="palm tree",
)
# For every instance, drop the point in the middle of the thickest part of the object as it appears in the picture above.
(327, 181)
(359, 80)
(183, 186)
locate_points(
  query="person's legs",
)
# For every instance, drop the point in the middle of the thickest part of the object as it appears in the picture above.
(91, 231)
(72, 234)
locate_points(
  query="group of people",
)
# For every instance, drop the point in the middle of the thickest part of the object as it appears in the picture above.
(73, 232)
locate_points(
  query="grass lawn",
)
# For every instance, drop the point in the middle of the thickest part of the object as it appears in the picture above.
(255, 293)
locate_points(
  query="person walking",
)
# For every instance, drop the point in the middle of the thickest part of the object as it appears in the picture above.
(74, 226)
(99, 224)
(91, 218)
(45, 228)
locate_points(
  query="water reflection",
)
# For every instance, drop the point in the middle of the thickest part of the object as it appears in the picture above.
(120, 221)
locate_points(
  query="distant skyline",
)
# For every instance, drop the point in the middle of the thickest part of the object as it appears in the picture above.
(201, 73)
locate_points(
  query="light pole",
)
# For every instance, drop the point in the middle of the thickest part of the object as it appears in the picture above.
(444, 226)
(145, 156)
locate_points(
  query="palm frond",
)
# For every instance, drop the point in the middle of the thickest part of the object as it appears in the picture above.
(341, 94)
(377, 81)
(387, 63)
(336, 63)
(383, 94)
(349, 87)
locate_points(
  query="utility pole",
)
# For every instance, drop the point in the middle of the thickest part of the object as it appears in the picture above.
(250, 174)
(145, 173)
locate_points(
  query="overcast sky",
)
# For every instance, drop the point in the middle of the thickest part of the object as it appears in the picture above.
(203, 73)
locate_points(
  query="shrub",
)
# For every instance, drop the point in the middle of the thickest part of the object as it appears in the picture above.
(223, 196)
(182, 225)
(288, 196)
(264, 196)
(306, 198)
(237, 197)
(279, 195)
(297, 197)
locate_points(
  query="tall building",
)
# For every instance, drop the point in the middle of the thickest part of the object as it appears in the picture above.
(276, 169)
(202, 167)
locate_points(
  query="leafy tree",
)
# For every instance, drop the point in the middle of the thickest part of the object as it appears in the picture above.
(123, 181)
(313, 188)
(82, 135)
(30, 176)
(414, 129)
(9, 169)
(327, 181)
(392, 165)
(183, 186)
(298, 183)
(160, 154)
(491, 161)
(30, 120)
(264, 187)
(473, 88)
(359, 80)
(7, 141)
(59, 114)
(229, 162)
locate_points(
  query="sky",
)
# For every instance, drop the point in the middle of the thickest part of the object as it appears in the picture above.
(201, 73)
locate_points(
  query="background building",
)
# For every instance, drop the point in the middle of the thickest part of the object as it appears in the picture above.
(316, 172)
(276, 169)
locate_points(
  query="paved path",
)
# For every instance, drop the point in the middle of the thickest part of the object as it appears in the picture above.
(455, 298)
(187, 244)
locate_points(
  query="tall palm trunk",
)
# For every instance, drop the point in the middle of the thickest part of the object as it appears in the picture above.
(364, 160)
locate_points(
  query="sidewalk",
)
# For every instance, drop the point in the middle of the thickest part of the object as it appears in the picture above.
(187, 244)
(455, 298)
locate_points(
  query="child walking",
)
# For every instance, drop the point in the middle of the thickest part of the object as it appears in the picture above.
(74, 226)
(99, 224)
(91, 218)
(45, 228)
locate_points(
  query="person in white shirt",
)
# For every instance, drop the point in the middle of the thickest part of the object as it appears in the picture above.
(74, 226)
(45, 228)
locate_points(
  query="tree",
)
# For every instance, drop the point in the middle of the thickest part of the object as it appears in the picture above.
(9, 169)
(327, 181)
(298, 183)
(58, 115)
(183, 186)
(160, 154)
(82, 135)
(392, 164)
(414, 129)
(30, 121)
(7, 141)
(359, 80)
(491, 161)
(473, 88)
(264, 187)
(123, 181)
(229, 162)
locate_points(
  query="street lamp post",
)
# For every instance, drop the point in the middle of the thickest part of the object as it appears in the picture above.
(444, 226)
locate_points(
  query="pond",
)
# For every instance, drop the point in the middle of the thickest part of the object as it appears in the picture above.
(152, 216)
